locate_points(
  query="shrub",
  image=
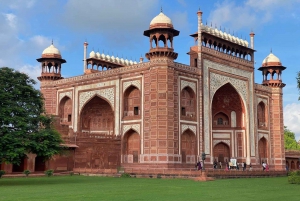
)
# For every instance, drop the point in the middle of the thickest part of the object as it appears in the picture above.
(294, 177)
(49, 173)
(71, 173)
(2, 172)
(125, 175)
(158, 176)
(26, 172)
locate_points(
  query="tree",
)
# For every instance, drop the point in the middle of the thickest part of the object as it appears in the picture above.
(24, 128)
(290, 142)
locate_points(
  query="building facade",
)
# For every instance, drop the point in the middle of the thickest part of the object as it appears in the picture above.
(164, 114)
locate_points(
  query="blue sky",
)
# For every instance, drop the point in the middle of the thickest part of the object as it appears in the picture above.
(116, 27)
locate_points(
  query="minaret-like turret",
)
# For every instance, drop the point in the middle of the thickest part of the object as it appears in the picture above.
(271, 66)
(85, 44)
(51, 61)
(161, 29)
(272, 69)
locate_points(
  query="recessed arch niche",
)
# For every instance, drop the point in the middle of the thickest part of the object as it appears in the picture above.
(97, 117)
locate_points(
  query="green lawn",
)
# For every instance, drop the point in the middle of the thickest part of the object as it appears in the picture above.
(73, 188)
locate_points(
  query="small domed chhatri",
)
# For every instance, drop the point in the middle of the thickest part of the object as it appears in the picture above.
(161, 20)
(271, 60)
(51, 51)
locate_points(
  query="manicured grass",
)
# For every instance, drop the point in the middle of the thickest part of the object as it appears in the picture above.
(75, 188)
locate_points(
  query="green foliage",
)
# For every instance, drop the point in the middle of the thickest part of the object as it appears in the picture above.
(294, 177)
(290, 142)
(2, 172)
(23, 128)
(26, 172)
(49, 173)
(125, 175)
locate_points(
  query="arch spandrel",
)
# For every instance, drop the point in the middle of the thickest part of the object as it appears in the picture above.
(185, 127)
(185, 83)
(68, 94)
(134, 127)
(135, 83)
(107, 94)
(217, 81)
(262, 100)
(215, 142)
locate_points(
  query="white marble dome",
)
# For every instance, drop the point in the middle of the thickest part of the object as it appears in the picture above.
(271, 58)
(161, 18)
(51, 50)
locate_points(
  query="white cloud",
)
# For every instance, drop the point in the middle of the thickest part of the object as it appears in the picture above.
(11, 20)
(32, 71)
(19, 4)
(250, 13)
(182, 2)
(121, 22)
(291, 115)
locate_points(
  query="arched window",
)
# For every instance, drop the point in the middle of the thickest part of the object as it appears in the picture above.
(261, 115)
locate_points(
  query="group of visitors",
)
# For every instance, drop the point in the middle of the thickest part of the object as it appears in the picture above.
(229, 165)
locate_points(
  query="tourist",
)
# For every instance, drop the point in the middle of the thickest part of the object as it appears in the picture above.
(244, 166)
(237, 166)
(263, 166)
(267, 167)
(250, 167)
(226, 165)
(215, 164)
(199, 166)
(220, 164)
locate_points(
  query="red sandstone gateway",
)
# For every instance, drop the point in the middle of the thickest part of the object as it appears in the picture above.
(162, 115)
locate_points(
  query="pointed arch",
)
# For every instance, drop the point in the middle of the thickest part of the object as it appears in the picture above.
(261, 115)
(131, 146)
(188, 147)
(132, 102)
(107, 94)
(221, 152)
(263, 150)
(65, 109)
(97, 117)
(225, 100)
(188, 103)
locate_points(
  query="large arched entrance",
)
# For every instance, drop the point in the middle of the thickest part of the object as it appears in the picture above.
(221, 152)
(97, 117)
(131, 146)
(99, 147)
(228, 121)
(262, 150)
(188, 147)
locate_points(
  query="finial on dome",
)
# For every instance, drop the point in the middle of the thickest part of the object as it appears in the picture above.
(161, 10)
(52, 42)
(271, 50)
